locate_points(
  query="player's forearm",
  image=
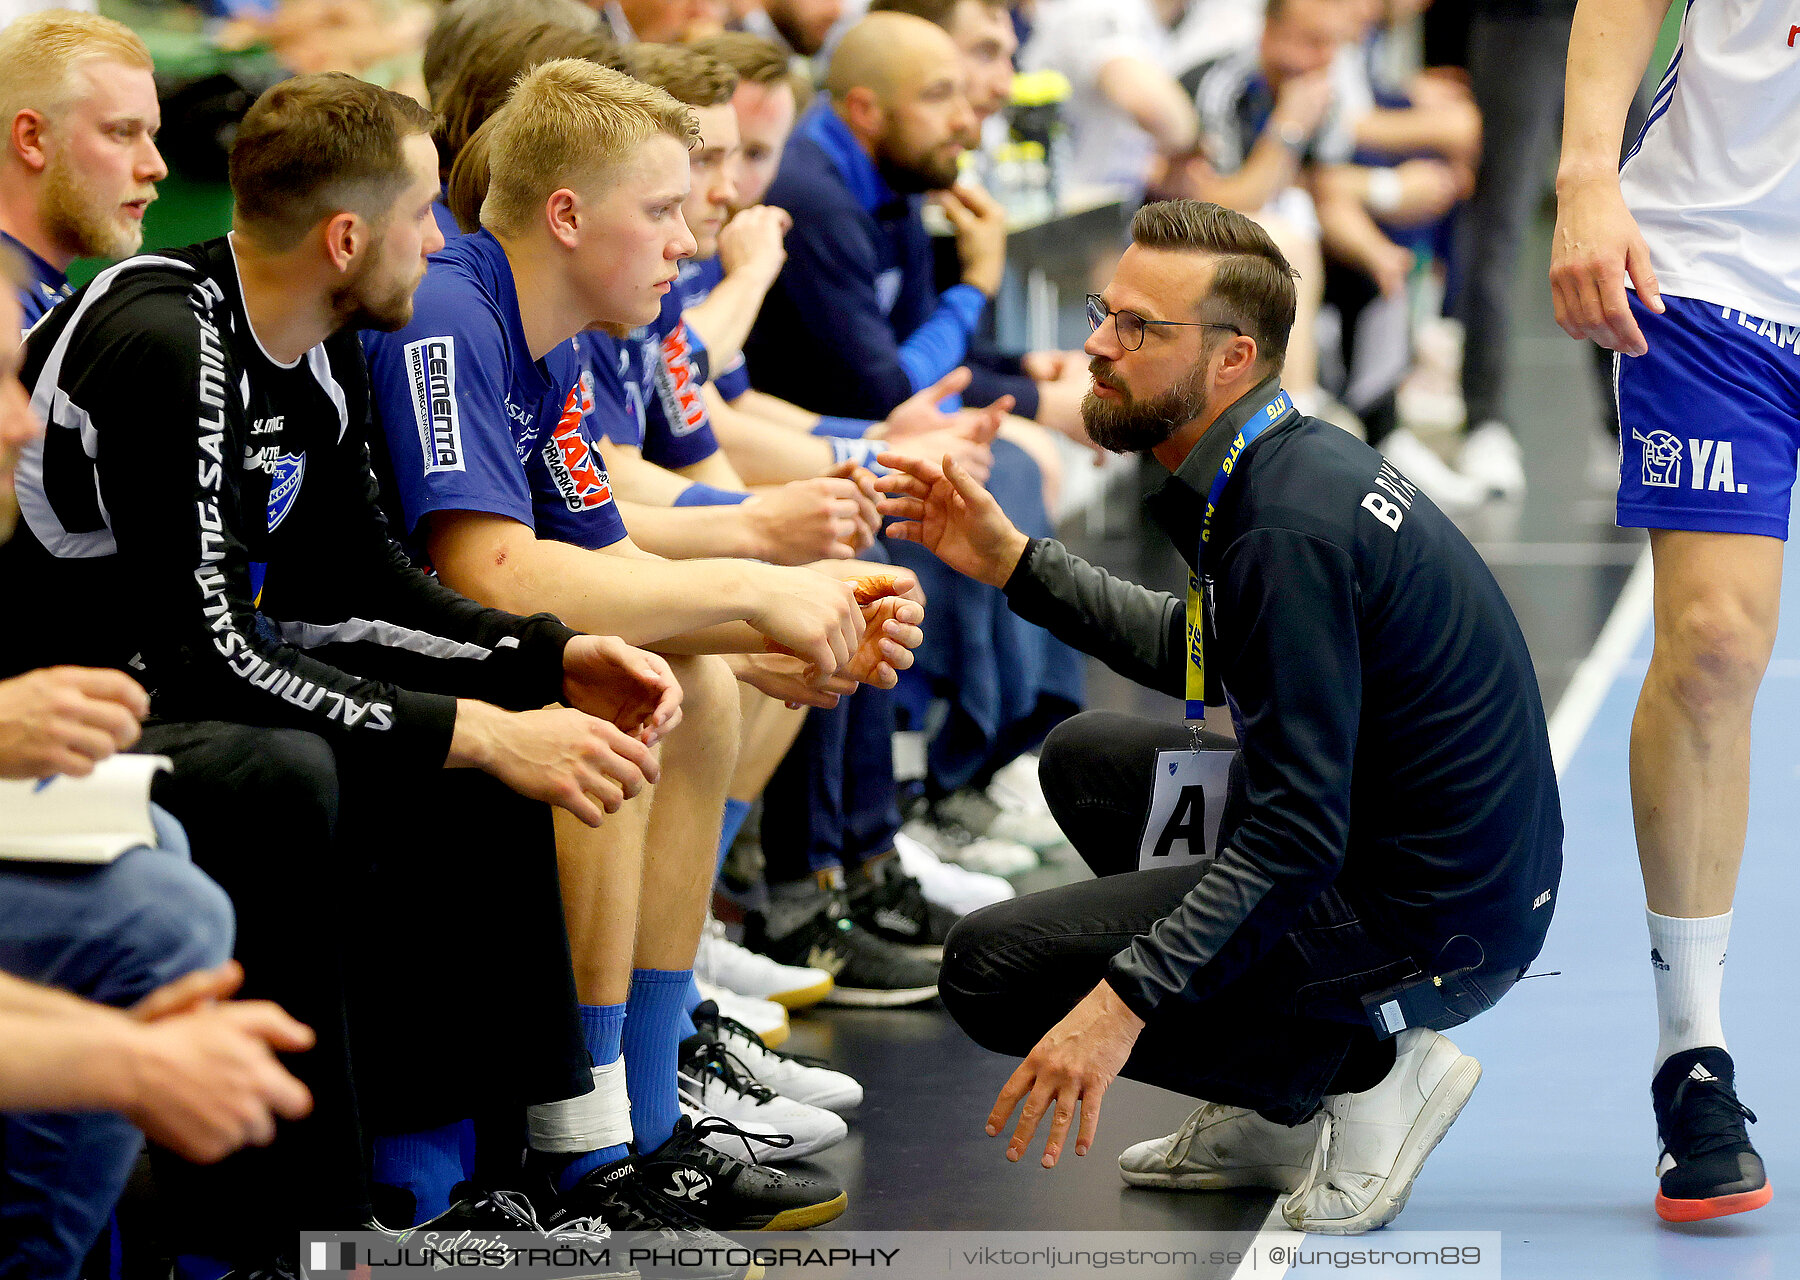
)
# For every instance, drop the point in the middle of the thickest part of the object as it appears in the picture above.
(65, 1063)
(724, 320)
(762, 452)
(642, 599)
(1609, 48)
(783, 413)
(637, 481)
(692, 533)
(18, 996)
(1153, 100)
(1268, 170)
(714, 469)
(1346, 231)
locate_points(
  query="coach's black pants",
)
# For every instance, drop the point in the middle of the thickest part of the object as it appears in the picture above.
(1277, 1039)
(411, 918)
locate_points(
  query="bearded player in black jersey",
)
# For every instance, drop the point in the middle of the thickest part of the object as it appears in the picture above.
(201, 512)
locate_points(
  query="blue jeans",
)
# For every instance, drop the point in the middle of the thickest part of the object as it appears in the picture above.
(112, 934)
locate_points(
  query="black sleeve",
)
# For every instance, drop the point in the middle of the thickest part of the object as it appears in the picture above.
(1140, 633)
(1289, 645)
(435, 638)
(161, 391)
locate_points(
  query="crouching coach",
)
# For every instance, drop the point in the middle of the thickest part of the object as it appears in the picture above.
(1390, 843)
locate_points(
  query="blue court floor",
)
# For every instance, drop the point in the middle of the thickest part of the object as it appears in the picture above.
(1556, 1148)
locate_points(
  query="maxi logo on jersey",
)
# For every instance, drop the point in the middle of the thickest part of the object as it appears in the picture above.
(574, 466)
(678, 381)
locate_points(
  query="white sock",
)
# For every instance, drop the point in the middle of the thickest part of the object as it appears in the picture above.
(1687, 955)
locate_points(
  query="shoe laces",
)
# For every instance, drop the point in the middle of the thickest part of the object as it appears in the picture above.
(711, 1056)
(689, 1144)
(1190, 1128)
(510, 1204)
(1705, 1116)
(729, 1028)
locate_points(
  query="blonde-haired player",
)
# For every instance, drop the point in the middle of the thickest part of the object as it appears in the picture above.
(79, 164)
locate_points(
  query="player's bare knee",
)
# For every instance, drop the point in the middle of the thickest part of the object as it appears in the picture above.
(710, 713)
(1715, 660)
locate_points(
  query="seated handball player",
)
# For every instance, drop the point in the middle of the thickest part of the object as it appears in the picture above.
(1390, 849)
(833, 807)
(482, 409)
(201, 513)
(854, 325)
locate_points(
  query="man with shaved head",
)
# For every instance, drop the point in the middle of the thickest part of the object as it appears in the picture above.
(856, 323)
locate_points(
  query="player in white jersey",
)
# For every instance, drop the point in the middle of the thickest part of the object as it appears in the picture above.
(1687, 263)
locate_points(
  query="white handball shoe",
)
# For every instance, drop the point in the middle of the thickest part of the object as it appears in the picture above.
(803, 1079)
(1219, 1147)
(1492, 457)
(728, 964)
(947, 884)
(1373, 1143)
(766, 1018)
(1454, 493)
(714, 1080)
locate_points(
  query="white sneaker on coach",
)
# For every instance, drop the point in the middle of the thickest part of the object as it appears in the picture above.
(1491, 457)
(768, 1019)
(1219, 1147)
(803, 1079)
(727, 964)
(1373, 1143)
(947, 884)
(714, 1079)
(1453, 492)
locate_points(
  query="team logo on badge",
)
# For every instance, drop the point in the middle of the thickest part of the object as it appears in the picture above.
(284, 486)
(1662, 459)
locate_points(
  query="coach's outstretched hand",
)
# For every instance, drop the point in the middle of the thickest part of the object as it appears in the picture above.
(631, 687)
(558, 755)
(1073, 1065)
(944, 510)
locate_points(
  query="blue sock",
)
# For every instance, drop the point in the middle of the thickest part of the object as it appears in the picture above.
(656, 1022)
(603, 1027)
(428, 1163)
(735, 813)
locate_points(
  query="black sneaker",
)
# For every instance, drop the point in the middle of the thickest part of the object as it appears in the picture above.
(472, 1209)
(889, 904)
(1708, 1167)
(728, 1194)
(620, 1197)
(869, 972)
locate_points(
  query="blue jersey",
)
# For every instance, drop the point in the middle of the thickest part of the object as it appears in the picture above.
(662, 368)
(472, 422)
(698, 278)
(48, 285)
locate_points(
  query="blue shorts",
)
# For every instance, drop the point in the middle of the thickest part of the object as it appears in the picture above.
(1709, 421)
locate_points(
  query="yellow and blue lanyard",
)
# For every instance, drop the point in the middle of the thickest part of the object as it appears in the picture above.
(1271, 415)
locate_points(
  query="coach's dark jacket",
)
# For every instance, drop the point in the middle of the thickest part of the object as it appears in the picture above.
(1394, 741)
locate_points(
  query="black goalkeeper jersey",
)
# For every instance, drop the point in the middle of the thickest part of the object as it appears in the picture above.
(205, 517)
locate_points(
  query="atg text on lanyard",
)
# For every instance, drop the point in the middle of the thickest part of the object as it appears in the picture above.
(1271, 415)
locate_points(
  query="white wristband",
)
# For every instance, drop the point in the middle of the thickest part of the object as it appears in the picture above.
(1384, 191)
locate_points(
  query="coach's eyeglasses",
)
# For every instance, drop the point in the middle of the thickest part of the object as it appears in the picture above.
(1131, 325)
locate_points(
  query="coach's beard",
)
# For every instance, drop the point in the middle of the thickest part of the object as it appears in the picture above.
(1126, 425)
